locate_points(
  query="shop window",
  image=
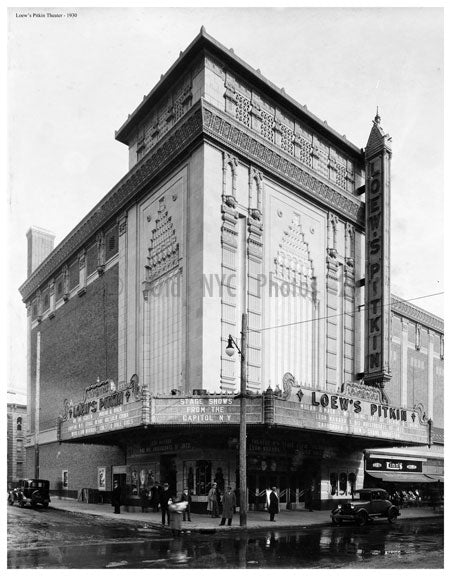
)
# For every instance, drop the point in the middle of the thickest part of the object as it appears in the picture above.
(189, 476)
(333, 483)
(19, 423)
(65, 479)
(219, 479)
(352, 480)
(111, 243)
(343, 484)
(203, 477)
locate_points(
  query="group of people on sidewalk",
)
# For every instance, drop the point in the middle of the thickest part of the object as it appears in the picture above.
(173, 509)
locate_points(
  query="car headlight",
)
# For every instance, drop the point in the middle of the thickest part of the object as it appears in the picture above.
(339, 507)
(352, 507)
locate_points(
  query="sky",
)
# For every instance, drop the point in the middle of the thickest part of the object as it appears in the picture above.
(72, 82)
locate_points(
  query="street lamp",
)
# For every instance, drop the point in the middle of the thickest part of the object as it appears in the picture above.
(243, 388)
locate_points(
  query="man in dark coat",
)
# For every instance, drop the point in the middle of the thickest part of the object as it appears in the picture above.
(116, 497)
(308, 497)
(273, 507)
(155, 498)
(228, 506)
(165, 495)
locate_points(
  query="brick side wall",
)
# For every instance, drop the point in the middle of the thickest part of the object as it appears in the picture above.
(15, 458)
(80, 460)
(417, 378)
(78, 345)
(394, 386)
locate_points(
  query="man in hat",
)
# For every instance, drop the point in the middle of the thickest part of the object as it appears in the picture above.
(116, 496)
(212, 501)
(273, 507)
(186, 497)
(164, 499)
(228, 506)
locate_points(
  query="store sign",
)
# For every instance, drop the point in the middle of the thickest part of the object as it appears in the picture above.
(114, 411)
(389, 465)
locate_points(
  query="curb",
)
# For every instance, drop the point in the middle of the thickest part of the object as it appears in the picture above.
(216, 530)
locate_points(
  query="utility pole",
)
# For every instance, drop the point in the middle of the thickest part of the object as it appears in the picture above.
(243, 427)
(243, 424)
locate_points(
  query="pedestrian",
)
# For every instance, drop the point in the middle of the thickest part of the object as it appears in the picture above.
(273, 507)
(308, 498)
(228, 506)
(212, 501)
(155, 497)
(144, 496)
(116, 495)
(165, 495)
(176, 509)
(186, 497)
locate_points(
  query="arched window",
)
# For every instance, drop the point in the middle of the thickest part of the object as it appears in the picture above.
(19, 423)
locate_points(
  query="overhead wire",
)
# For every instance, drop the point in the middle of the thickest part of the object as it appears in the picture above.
(360, 308)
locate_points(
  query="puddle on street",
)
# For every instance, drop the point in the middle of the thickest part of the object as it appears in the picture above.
(315, 547)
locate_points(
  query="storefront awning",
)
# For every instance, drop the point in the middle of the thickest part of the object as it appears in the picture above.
(411, 477)
(436, 477)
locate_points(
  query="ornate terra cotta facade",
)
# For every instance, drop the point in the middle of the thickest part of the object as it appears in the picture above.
(237, 200)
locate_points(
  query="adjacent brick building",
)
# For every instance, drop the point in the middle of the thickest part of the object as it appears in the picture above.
(16, 436)
(238, 201)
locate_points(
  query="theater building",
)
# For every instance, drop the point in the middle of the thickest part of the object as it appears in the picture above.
(238, 200)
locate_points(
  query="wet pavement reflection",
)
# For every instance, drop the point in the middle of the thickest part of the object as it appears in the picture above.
(408, 544)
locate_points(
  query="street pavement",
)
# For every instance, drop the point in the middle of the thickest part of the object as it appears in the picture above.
(203, 523)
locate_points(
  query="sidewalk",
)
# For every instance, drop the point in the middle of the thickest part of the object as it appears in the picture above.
(203, 523)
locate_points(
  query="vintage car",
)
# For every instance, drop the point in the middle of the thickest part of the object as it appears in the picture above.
(33, 492)
(367, 504)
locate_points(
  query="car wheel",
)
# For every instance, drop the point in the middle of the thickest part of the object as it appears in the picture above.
(361, 519)
(336, 521)
(392, 516)
(11, 500)
(21, 503)
(45, 504)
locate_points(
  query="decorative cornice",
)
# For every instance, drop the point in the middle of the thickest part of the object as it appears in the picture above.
(227, 131)
(182, 134)
(202, 119)
(408, 310)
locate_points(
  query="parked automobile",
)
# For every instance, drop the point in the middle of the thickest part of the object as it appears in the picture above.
(367, 504)
(33, 492)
